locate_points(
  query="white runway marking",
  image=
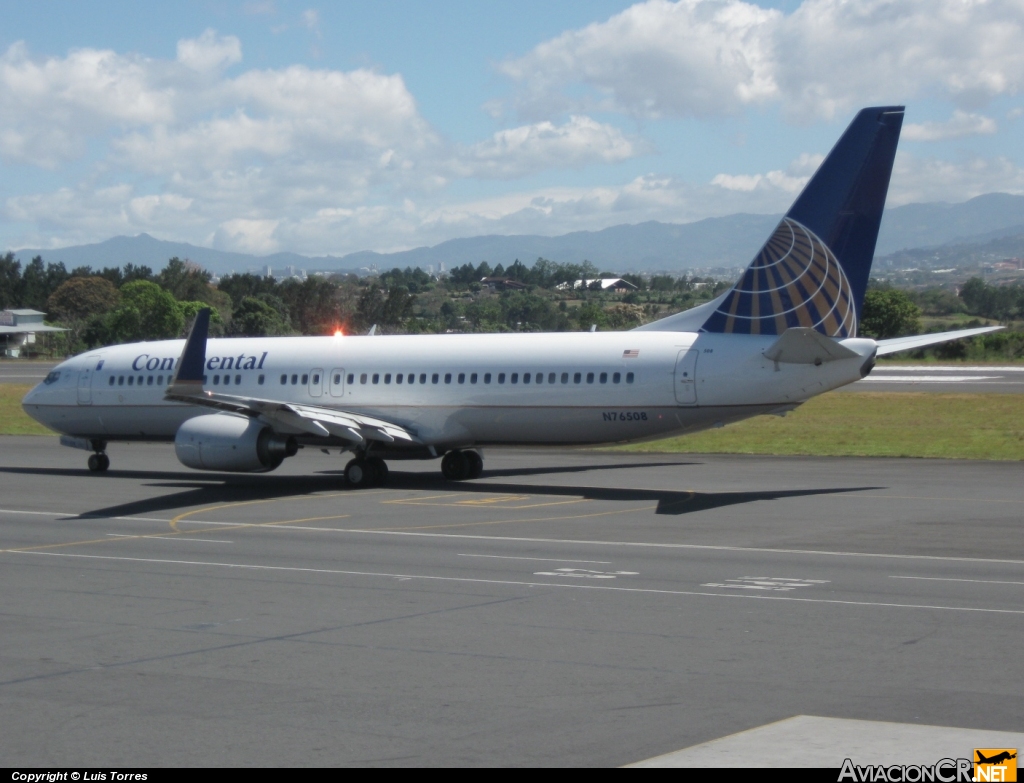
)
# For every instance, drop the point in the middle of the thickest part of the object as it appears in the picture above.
(927, 378)
(949, 579)
(949, 368)
(585, 573)
(775, 583)
(169, 538)
(516, 583)
(541, 559)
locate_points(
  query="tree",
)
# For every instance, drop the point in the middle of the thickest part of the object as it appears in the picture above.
(10, 281)
(184, 280)
(256, 318)
(146, 312)
(79, 302)
(889, 312)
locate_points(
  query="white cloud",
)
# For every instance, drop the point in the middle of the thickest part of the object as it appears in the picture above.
(208, 52)
(959, 125)
(544, 145)
(790, 182)
(917, 179)
(714, 57)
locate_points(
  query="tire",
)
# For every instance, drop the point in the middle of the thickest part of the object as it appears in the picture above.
(455, 466)
(476, 464)
(104, 462)
(380, 470)
(94, 463)
(358, 474)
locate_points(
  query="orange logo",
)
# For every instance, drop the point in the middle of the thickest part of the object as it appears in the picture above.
(995, 764)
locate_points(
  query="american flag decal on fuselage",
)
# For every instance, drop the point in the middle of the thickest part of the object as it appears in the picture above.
(794, 281)
(632, 353)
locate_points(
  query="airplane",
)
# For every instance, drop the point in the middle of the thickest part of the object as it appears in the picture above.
(996, 759)
(785, 332)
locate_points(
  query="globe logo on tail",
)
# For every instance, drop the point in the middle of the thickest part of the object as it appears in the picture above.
(794, 281)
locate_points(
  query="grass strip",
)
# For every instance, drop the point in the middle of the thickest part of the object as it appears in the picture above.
(873, 424)
(13, 420)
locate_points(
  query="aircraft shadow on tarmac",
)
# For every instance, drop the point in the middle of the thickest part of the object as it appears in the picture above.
(217, 489)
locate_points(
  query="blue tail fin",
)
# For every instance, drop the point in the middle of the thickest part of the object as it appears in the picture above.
(814, 269)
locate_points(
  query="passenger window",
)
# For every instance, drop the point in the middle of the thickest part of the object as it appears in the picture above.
(604, 377)
(260, 380)
(149, 381)
(629, 377)
(398, 378)
(351, 378)
(590, 377)
(617, 377)
(305, 379)
(362, 378)
(576, 378)
(472, 378)
(501, 377)
(316, 378)
(131, 380)
(514, 378)
(565, 377)
(447, 377)
(120, 380)
(551, 377)
(387, 377)
(433, 378)
(540, 377)
(462, 377)
(216, 380)
(526, 377)
(423, 378)
(376, 377)
(487, 377)
(412, 378)
(295, 379)
(238, 379)
(284, 379)
(112, 379)
(160, 380)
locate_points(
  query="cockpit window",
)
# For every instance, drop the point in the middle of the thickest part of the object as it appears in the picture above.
(51, 377)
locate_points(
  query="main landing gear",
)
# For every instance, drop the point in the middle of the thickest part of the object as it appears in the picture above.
(460, 465)
(366, 472)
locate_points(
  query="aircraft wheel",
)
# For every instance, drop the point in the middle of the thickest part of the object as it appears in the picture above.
(359, 474)
(98, 462)
(455, 466)
(104, 462)
(476, 464)
(379, 468)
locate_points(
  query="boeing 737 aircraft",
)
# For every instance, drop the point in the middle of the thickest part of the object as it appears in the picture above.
(784, 333)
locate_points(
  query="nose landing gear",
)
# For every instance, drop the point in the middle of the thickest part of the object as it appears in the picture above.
(98, 462)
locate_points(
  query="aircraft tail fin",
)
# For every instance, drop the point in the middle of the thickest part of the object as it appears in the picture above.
(813, 271)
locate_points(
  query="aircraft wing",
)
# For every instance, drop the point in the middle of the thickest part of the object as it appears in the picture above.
(897, 344)
(316, 420)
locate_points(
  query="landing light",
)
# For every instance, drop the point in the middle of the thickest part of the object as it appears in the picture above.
(338, 333)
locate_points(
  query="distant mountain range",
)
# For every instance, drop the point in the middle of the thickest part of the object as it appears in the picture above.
(672, 247)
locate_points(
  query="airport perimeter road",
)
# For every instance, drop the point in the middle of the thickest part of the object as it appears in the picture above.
(962, 379)
(568, 608)
(24, 372)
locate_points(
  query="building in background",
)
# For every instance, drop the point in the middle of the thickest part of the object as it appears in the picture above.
(19, 328)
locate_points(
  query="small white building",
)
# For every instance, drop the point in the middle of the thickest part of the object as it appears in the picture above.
(20, 327)
(616, 284)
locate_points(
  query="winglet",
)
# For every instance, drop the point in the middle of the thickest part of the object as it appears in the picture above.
(189, 378)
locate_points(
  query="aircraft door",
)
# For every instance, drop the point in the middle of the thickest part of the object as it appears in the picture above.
(686, 377)
(337, 384)
(85, 386)
(316, 382)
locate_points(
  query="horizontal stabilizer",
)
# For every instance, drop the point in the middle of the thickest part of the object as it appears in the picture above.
(897, 344)
(804, 345)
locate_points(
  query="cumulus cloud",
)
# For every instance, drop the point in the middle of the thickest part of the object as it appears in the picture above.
(703, 58)
(959, 125)
(209, 52)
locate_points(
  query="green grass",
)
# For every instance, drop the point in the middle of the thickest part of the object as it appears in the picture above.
(873, 424)
(13, 420)
(866, 424)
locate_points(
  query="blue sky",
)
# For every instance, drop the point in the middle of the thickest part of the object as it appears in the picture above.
(263, 126)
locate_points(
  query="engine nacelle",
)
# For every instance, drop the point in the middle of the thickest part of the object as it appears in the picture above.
(223, 441)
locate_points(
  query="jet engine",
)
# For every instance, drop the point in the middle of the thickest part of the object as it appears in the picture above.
(224, 441)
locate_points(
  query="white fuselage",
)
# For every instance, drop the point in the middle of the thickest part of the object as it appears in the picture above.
(453, 390)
